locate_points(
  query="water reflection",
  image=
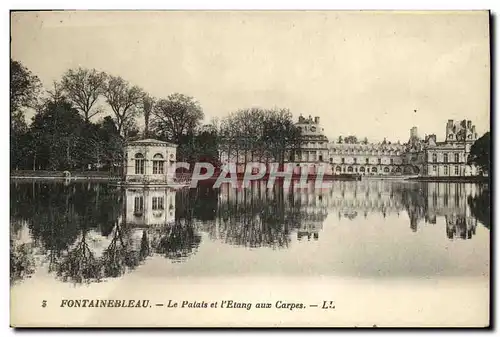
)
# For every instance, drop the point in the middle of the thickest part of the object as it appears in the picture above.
(88, 232)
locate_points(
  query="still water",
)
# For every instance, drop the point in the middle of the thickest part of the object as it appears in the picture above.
(83, 233)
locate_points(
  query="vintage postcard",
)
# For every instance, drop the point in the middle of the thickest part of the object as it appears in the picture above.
(250, 169)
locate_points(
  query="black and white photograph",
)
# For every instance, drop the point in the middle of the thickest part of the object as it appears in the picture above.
(248, 168)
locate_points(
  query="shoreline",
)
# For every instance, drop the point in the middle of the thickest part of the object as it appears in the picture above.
(105, 176)
(472, 179)
(63, 178)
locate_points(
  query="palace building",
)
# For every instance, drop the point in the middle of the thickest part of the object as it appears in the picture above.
(314, 145)
(366, 159)
(423, 157)
(449, 158)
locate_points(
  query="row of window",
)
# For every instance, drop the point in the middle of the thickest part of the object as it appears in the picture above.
(158, 166)
(374, 153)
(362, 169)
(158, 204)
(367, 161)
(434, 169)
(313, 144)
(445, 157)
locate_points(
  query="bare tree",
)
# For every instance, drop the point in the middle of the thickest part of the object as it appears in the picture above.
(83, 87)
(123, 99)
(55, 95)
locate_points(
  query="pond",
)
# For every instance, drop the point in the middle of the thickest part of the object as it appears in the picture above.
(365, 239)
(84, 232)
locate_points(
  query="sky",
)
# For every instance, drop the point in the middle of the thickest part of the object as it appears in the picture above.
(370, 74)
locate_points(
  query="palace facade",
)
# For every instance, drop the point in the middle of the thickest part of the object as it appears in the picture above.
(366, 159)
(449, 158)
(313, 146)
(424, 157)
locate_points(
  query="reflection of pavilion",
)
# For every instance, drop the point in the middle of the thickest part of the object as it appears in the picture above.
(149, 207)
(151, 215)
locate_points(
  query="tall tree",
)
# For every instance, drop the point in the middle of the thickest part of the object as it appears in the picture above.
(83, 87)
(111, 142)
(57, 130)
(24, 90)
(176, 116)
(480, 153)
(24, 87)
(124, 99)
(281, 134)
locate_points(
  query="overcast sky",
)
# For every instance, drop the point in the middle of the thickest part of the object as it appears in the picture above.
(362, 73)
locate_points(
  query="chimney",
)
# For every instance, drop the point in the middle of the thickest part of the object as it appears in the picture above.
(469, 124)
(450, 122)
(316, 120)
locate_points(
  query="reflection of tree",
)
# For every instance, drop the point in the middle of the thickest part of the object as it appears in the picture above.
(177, 241)
(480, 206)
(257, 217)
(60, 216)
(80, 263)
(145, 250)
(22, 263)
(120, 254)
(414, 200)
(55, 212)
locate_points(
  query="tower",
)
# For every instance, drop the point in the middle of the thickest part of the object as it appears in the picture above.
(413, 132)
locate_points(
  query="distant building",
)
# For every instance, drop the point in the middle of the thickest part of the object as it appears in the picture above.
(366, 159)
(310, 156)
(449, 158)
(314, 145)
(149, 161)
(424, 157)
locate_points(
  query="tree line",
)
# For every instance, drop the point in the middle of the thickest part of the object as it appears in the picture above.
(69, 129)
(83, 121)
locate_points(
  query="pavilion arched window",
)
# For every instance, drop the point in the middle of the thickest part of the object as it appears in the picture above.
(158, 164)
(139, 163)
